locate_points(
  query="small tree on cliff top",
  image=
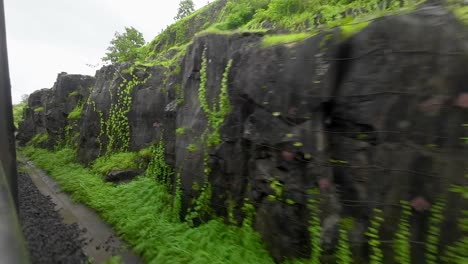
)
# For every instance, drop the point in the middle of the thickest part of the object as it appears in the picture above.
(186, 7)
(125, 46)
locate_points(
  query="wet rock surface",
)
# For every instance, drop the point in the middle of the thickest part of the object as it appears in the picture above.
(120, 176)
(49, 240)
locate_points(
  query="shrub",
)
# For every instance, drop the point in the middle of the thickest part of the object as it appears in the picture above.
(125, 46)
(240, 13)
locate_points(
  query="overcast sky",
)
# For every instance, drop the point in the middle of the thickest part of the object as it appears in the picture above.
(47, 37)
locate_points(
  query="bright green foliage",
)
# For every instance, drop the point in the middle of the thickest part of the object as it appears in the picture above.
(458, 252)
(203, 83)
(141, 213)
(287, 13)
(117, 128)
(186, 7)
(75, 114)
(233, 16)
(182, 32)
(179, 93)
(18, 110)
(217, 112)
(211, 137)
(201, 207)
(277, 188)
(376, 255)
(125, 46)
(249, 211)
(314, 226)
(300, 15)
(272, 40)
(71, 135)
(349, 29)
(230, 210)
(38, 139)
(118, 161)
(39, 109)
(192, 147)
(181, 131)
(177, 199)
(460, 10)
(343, 253)
(114, 260)
(433, 234)
(240, 12)
(402, 245)
(158, 168)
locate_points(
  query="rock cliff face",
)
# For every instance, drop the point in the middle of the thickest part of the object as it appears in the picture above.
(368, 120)
(48, 109)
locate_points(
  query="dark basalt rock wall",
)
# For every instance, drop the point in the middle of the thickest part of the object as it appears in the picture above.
(48, 109)
(150, 113)
(369, 120)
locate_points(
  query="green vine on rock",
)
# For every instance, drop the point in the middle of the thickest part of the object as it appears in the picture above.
(343, 254)
(249, 213)
(314, 226)
(211, 137)
(218, 111)
(102, 123)
(201, 205)
(157, 167)
(402, 247)
(376, 256)
(117, 125)
(177, 202)
(457, 252)
(433, 236)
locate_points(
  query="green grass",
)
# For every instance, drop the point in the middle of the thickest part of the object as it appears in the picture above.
(141, 213)
(273, 40)
(18, 113)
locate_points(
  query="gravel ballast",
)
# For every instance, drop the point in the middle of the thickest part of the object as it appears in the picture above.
(49, 240)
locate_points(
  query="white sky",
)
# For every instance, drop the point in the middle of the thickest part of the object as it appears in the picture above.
(47, 37)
